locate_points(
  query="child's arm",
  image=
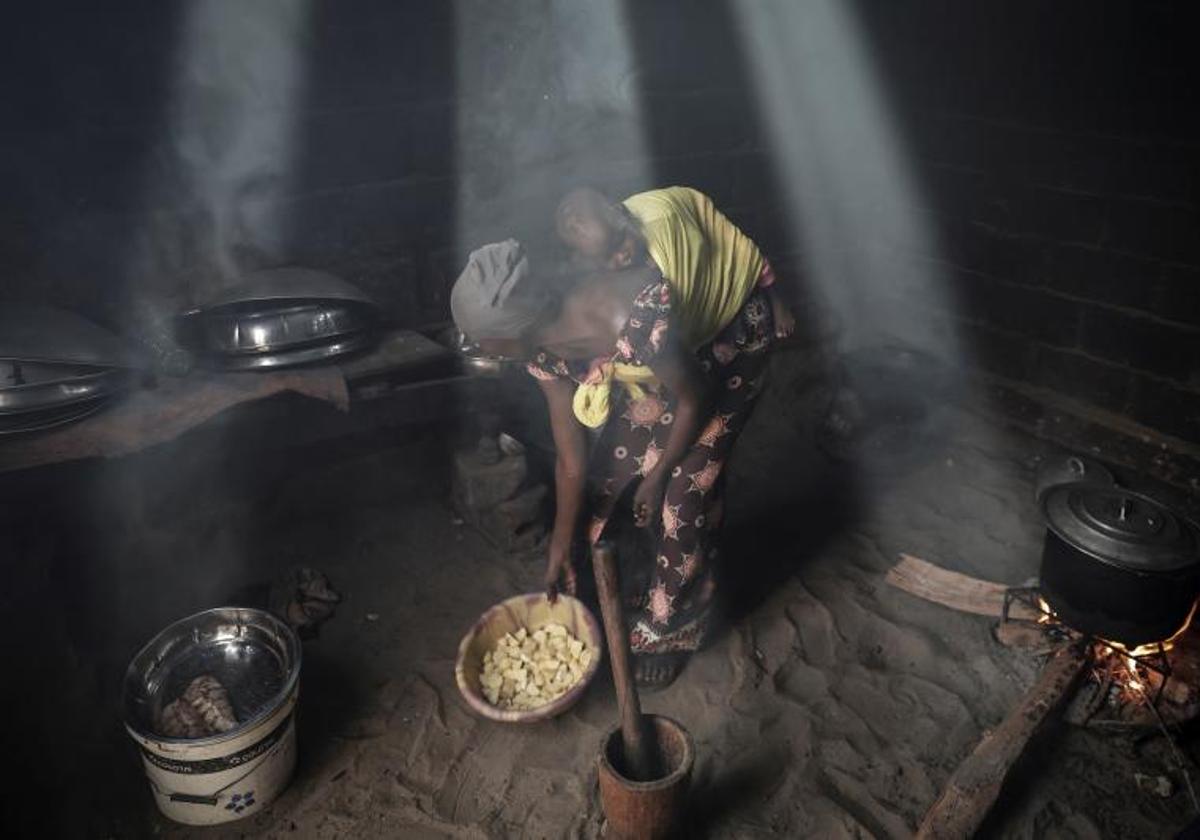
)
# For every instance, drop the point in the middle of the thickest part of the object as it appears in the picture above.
(781, 313)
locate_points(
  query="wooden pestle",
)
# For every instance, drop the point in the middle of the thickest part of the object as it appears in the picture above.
(639, 749)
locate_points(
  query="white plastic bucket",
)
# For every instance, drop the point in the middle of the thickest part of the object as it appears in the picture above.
(232, 775)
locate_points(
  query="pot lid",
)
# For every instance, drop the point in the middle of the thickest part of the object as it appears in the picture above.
(1120, 527)
(278, 285)
(32, 333)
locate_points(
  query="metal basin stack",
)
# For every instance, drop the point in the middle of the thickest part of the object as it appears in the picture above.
(57, 367)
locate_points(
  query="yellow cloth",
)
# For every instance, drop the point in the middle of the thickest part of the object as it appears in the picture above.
(711, 265)
(592, 399)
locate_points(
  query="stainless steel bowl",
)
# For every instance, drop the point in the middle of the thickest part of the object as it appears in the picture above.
(280, 318)
(311, 354)
(253, 654)
(284, 284)
(473, 360)
(276, 330)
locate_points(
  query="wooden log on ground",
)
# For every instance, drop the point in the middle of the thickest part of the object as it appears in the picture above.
(954, 589)
(975, 784)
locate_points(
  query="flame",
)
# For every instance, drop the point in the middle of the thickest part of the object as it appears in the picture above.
(1138, 679)
(1154, 647)
(1047, 614)
(1134, 682)
(1123, 664)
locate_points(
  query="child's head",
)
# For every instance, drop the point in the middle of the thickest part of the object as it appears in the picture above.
(604, 234)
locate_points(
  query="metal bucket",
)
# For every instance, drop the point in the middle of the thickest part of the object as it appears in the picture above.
(256, 657)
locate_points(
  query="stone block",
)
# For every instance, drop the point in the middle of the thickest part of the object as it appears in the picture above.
(693, 122)
(480, 485)
(1160, 406)
(1021, 309)
(1143, 343)
(1178, 294)
(521, 509)
(1099, 275)
(1001, 353)
(1161, 231)
(1083, 378)
(1059, 214)
(983, 249)
(516, 524)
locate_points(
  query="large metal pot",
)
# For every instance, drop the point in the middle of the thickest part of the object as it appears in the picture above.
(1117, 564)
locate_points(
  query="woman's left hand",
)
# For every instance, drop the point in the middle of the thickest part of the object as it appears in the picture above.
(648, 498)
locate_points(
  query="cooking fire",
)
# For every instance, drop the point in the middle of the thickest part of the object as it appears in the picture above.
(1159, 674)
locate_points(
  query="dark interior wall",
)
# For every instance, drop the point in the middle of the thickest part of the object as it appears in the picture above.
(1053, 144)
(139, 165)
(406, 111)
(1057, 143)
(81, 97)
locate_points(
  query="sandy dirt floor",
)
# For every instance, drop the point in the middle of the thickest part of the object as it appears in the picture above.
(830, 705)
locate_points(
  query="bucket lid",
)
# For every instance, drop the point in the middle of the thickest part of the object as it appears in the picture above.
(1120, 527)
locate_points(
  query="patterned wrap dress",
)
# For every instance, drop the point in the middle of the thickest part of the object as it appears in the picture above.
(674, 614)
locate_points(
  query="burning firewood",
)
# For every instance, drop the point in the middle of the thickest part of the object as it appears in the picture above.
(1133, 689)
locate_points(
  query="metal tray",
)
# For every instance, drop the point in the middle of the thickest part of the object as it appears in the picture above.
(40, 421)
(52, 394)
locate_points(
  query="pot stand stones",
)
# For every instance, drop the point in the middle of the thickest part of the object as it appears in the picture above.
(491, 491)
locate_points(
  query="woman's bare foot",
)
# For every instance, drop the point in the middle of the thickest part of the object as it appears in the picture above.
(653, 671)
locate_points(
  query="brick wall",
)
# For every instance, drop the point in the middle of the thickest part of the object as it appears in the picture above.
(406, 154)
(1052, 144)
(1062, 166)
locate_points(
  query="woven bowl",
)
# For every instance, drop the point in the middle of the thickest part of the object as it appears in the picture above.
(531, 612)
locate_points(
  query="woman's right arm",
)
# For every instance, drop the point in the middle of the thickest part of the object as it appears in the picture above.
(570, 469)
